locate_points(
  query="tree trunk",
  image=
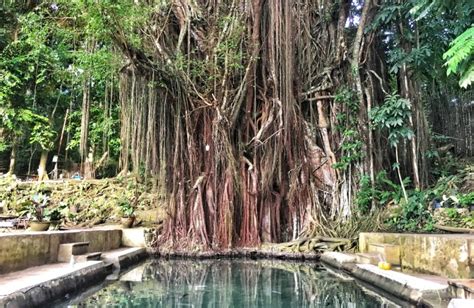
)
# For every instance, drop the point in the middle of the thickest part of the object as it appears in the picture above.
(85, 110)
(89, 170)
(246, 154)
(408, 92)
(83, 146)
(11, 168)
(402, 185)
(42, 173)
(413, 144)
(358, 84)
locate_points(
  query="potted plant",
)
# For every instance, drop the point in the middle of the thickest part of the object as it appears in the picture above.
(54, 216)
(128, 213)
(34, 210)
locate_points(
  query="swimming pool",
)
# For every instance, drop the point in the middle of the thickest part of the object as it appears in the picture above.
(228, 283)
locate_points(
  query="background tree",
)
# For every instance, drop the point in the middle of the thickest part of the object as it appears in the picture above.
(44, 59)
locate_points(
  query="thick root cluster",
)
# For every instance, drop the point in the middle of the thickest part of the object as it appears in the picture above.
(317, 244)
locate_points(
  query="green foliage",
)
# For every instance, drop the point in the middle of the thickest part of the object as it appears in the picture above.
(460, 57)
(447, 24)
(42, 134)
(227, 54)
(417, 56)
(381, 194)
(56, 47)
(452, 213)
(126, 208)
(34, 69)
(351, 149)
(454, 217)
(441, 204)
(35, 207)
(347, 122)
(365, 195)
(413, 214)
(80, 202)
(53, 214)
(416, 32)
(387, 14)
(445, 166)
(393, 116)
(27, 210)
(101, 124)
(466, 200)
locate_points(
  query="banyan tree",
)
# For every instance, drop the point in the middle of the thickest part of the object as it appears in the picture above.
(253, 115)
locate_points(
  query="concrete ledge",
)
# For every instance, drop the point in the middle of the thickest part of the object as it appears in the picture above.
(22, 250)
(403, 286)
(447, 255)
(339, 260)
(134, 237)
(124, 257)
(41, 285)
(407, 287)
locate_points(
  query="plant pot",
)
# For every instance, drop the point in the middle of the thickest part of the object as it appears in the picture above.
(39, 225)
(127, 222)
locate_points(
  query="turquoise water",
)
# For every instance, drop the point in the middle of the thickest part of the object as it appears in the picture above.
(227, 283)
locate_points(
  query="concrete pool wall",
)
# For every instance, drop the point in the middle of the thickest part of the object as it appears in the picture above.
(447, 255)
(23, 250)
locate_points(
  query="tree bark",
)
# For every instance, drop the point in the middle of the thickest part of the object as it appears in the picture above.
(413, 144)
(406, 91)
(89, 170)
(42, 173)
(11, 168)
(363, 118)
(83, 144)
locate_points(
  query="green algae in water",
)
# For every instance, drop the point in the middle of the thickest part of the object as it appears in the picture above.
(228, 283)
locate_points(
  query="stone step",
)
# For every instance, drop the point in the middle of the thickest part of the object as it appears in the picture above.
(389, 252)
(72, 249)
(369, 258)
(93, 256)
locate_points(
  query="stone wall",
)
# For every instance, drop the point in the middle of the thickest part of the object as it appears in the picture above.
(448, 255)
(20, 251)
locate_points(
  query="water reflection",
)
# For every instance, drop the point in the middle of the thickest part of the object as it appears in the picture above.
(226, 283)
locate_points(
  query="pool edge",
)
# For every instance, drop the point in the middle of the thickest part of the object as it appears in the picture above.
(53, 289)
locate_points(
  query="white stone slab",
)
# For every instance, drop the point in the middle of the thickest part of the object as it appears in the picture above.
(404, 279)
(339, 257)
(461, 303)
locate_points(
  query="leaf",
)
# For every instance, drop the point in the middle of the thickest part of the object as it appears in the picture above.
(414, 11)
(462, 50)
(467, 78)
